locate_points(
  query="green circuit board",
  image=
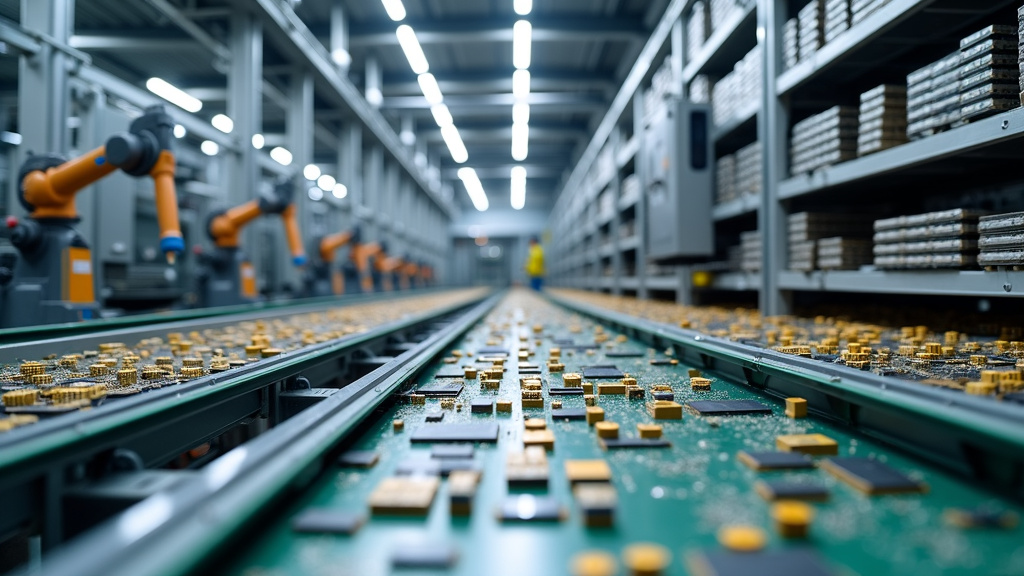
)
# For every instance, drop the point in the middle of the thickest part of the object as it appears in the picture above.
(678, 497)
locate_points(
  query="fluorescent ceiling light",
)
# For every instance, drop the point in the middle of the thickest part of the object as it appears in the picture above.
(520, 141)
(521, 33)
(521, 83)
(179, 131)
(12, 138)
(442, 115)
(374, 96)
(315, 194)
(474, 188)
(518, 187)
(341, 57)
(209, 147)
(520, 112)
(522, 7)
(281, 155)
(395, 9)
(311, 171)
(326, 182)
(407, 137)
(431, 91)
(340, 191)
(456, 147)
(223, 123)
(173, 94)
(411, 46)
(258, 141)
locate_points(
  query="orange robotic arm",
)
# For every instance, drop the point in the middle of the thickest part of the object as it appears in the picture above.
(330, 244)
(49, 184)
(225, 227)
(361, 255)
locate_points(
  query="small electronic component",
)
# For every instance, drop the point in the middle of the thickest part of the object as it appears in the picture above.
(441, 389)
(649, 431)
(477, 432)
(572, 380)
(565, 391)
(980, 518)
(593, 563)
(543, 438)
(609, 388)
(503, 405)
(587, 471)
(607, 429)
(527, 468)
(452, 372)
(646, 559)
(410, 495)
(595, 414)
(481, 406)
(702, 384)
(802, 561)
(665, 410)
(775, 460)
(535, 424)
(816, 444)
(530, 508)
(796, 407)
(398, 425)
(328, 521)
(597, 502)
(633, 443)
(568, 413)
(602, 372)
(462, 486)
(871, 476)
(792, 519)
(532, 399)
(790, 490)
(435, 556)
(728, 407)
(359, 459)
(742, 538)
(434, 416)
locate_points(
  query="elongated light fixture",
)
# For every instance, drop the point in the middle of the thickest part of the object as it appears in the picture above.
(520, 141)
(431, 91)
(174, 95)
(518, 187)
(521, 34)
(474, 188)
(395, 9)
(452, 139)
(413, 51)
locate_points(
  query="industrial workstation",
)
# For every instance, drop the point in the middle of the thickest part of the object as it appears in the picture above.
(506, 287)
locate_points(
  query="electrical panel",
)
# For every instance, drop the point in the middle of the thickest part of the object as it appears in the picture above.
(678, 183)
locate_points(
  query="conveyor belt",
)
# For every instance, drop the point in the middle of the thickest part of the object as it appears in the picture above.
(40, 462)
(237, 515)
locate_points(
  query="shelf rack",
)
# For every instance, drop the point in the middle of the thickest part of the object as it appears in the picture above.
(896, 39)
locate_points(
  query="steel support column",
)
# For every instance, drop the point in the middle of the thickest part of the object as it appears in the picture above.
(245, 104)
(299, 135)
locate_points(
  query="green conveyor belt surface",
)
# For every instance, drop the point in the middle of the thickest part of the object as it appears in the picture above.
(677, 497)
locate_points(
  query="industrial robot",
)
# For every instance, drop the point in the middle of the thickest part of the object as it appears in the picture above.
(407, 274)
(323, 277)
(363, 273)
(227, 276)
(425, 278)
(50, 280)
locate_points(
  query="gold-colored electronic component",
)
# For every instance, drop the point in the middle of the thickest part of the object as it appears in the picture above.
(796, 407)
(588, 387)
(606, 429)
(41, 379)
(406, 495)
(417, 399)
(652, 431)
(699, 383)
(447, 403)
(398, 425)
(503, 405)
(595, 414)
(23, 397)
(590, 400)
(462, 485)
(556, 404)
(588, 471)
(491, 384)
(192, 372)
(593, 563)
(127, 376)
(555, 367)
(815, 444)
(742, 538)
(535, 424)
(646, 559)
(532, 399)
(665, 410)
(469, 372)
(543, 438)
(191, 362)
(32, 368)
(792, 519)
(572, 380)
(609, 388)
(69, 361)
(980, 388)
(270, 352)
(152, 372)
(555, 353)
(634, 392)
(98, 370)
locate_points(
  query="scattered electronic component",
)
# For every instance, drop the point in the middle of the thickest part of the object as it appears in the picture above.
(527, 468)
(482, 432)
(742, 538)
(602, 372)
(802, 561)
(452, 451)
(328, 521)
(633, 443)
(790, 490)
(647, 559)
(796, 407)
(728, 407)
(775, 460)
(816, 444)
(440, 389)
(530, 508)
(871, 476)
(426, 556)
(981, 518)
(597, 502)
(359, 458)
(792, 519)
(587, 471)
(410, 496)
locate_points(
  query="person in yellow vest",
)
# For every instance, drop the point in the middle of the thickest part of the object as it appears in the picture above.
(535, 264)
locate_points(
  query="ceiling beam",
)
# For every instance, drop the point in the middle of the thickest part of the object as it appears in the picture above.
(539, 83)
(584, 102)
(154, 43)
(576, 29)
(502, 172)
(505, 134)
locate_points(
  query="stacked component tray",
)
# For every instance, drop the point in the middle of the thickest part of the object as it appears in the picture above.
(883, 119)
(750, 247)
(861, 9)
(725, 179)
(837, 18)
(933, 97)
(791, 43)
(1001, 240)
(812, 28)
(824, 139)
(720, 11)
(700, 89)
(737, 90)
(944, 239)
(989, 72)
(749, 169)
(807, 228)
(839, 253)
(698, 27)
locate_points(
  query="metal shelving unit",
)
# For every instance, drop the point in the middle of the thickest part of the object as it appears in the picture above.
(898, 38)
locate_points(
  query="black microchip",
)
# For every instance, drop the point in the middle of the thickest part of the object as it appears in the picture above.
(871, 476)
(492, 351)
(664, 396)
(570, 344)
(802, 561)
(481, 406)
(530, 508)
(328, 521)
(775, 460)
(452, 451)
(435, 416)
(440, 389)
(569, 413)
(662, 362)
(981, 518)
(729, 407)
(790, 490)
(529, 369)
(450, 372)
(358, 458)
(434, 556)
(602, 372)
(623, 354)
(480, 432)
(632, 443)
(556, 391)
